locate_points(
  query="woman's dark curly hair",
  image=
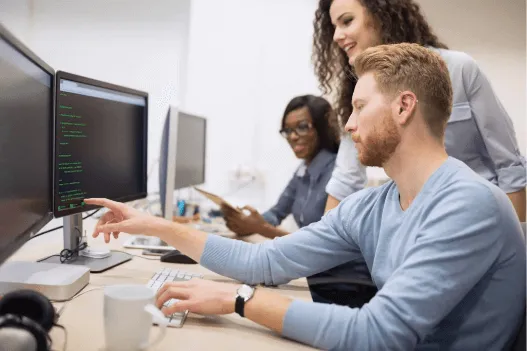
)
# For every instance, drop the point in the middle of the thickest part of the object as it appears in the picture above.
(399, 21)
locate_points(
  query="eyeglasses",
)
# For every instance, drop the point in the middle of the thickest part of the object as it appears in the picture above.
(302, 129)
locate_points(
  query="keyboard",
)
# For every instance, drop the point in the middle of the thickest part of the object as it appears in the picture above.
(167, 275)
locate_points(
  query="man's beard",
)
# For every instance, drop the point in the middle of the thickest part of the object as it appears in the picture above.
(378, 147)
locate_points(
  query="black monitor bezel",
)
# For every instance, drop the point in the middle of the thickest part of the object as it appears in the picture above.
(21, 238)
(85, 80)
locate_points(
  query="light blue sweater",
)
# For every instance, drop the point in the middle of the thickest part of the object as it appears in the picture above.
(450, 269)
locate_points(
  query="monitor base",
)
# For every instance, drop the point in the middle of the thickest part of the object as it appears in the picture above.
(95, 265)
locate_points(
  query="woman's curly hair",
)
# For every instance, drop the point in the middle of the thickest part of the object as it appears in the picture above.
(399, 21)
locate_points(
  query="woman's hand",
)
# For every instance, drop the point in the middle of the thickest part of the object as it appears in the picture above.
(242, 224)
(123, 218)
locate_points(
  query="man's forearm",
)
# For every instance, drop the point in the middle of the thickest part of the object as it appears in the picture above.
(518, 199)
(271, 232)
(189, 241)
(331, 203)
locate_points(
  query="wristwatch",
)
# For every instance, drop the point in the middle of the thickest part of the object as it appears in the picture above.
(243, 294)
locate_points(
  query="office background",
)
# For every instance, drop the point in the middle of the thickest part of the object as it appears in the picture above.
(238, 63)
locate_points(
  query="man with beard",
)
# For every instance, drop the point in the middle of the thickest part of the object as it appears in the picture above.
(443, 245)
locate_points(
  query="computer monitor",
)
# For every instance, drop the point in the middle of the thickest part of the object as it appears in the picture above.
(181, 165)
(26, 114)
(183, 153)
(100, 143)
(100, 151)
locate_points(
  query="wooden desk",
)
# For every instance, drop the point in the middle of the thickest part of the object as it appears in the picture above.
(83, 316)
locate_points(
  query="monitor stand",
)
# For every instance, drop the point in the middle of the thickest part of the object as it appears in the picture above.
(73, 239)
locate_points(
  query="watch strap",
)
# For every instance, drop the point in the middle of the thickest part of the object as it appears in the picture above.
(239, 305)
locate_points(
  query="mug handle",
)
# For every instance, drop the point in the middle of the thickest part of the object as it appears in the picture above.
(160, 320)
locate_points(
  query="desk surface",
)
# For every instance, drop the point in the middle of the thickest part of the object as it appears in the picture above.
(83, 316)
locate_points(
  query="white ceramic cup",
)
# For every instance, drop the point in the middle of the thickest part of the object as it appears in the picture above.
(129, 313)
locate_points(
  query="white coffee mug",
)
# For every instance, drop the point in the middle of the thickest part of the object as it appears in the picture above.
(129, 313)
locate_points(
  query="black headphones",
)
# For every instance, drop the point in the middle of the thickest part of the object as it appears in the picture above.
(31, 311)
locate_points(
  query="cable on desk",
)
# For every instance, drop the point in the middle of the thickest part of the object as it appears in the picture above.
(60, 227)
(65, 335)
(61, 310)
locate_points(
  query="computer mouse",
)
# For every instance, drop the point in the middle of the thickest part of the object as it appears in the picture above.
(175, 256)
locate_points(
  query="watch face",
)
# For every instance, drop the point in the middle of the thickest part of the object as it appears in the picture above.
(245, 291)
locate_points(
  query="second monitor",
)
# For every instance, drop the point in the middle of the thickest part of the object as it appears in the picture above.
(183, 155)
(181, 165)
(100, 143)
(100, 151)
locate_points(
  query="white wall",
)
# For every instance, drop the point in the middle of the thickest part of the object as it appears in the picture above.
(130, 43)
(247, 59)
(15, 16)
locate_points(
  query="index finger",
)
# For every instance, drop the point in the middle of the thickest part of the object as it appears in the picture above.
(112, 205)
(227, 210)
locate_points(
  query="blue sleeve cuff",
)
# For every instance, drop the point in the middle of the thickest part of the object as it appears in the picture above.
(514, 178)
(271, 218)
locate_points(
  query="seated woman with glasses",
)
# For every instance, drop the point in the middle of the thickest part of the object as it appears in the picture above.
(309, 125)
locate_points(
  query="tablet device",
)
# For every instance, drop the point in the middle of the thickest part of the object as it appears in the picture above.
(217, 200)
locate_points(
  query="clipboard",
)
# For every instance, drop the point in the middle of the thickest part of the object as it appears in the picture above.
(217, 200)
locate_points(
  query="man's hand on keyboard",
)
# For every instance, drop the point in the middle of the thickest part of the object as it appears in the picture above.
(123, 218)
(198, 296)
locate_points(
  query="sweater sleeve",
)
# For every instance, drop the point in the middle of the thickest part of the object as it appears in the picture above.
(286, 258)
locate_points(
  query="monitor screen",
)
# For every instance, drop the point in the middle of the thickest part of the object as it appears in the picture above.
(26, 115)
(100, 143)
(190, 152)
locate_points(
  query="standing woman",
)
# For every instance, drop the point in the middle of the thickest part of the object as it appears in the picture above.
(479, 131)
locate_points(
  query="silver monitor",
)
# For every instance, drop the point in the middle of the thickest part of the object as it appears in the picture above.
(181, 165)
(183, 155)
